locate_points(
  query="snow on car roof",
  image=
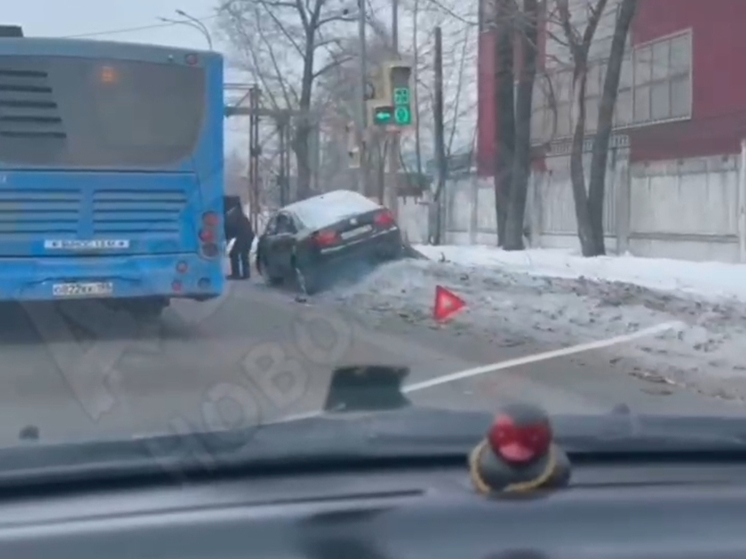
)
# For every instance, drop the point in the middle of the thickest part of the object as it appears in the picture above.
(325, 209)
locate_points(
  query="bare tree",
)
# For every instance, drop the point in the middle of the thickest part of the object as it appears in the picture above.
(337, 102)
(521, 171)
(505, 12)
(287, 45)
(589, 204)
(337, 89)
(459, 31)
(600, 152)
(580, 45)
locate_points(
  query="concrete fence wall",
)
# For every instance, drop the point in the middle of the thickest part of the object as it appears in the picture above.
(685, 209)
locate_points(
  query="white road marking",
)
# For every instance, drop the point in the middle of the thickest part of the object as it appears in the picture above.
(485, 369)
(580, 348)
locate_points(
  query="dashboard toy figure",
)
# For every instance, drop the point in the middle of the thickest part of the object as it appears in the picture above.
(518, 454)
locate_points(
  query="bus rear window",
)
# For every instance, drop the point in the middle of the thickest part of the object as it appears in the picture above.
(76, 112)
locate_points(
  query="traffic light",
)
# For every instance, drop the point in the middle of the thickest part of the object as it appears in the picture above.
(392, 105)
(396, 87)
(380, 113)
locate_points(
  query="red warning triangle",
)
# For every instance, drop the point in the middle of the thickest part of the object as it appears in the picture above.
(447, 304)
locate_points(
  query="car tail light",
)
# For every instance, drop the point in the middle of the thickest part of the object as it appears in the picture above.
(208, 235)
(326, 238)
(385, 219)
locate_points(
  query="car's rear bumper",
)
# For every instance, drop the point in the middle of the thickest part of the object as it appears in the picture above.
(33, 279)
(381, 246)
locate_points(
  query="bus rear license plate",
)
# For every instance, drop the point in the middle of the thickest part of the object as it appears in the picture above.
(356, 232)
(93, 289)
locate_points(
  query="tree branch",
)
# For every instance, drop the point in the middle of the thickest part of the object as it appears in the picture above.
(333, 64)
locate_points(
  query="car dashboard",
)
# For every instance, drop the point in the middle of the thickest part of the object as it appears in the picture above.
(386, 510)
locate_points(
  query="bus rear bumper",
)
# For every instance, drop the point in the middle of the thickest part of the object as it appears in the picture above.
(112, 277)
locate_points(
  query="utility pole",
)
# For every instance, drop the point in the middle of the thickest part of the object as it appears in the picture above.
(254, 152)
(394, 148)
(282, 119)
(363, 116)
(440, 154)
(282, 175)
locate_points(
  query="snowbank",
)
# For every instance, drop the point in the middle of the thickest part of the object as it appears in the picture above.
(707, 279)
(559, 299)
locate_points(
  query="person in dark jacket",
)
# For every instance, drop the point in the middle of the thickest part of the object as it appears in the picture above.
(238, 228)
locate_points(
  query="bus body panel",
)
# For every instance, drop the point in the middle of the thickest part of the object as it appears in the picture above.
(33, 279)
(43, 212)
(110, 154)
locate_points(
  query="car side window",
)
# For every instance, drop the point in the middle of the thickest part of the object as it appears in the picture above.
(285, 225)
(271, 227)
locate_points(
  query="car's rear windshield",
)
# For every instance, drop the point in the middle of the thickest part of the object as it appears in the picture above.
(322, 211)
(79, 112)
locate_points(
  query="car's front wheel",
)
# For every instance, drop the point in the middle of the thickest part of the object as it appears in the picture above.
(263, 268)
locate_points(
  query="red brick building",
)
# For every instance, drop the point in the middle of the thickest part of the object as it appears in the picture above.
(682, 91)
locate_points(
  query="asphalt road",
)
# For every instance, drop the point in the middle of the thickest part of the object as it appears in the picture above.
(257, 355)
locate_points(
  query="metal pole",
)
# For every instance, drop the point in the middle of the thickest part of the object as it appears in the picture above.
(394, 149)
(250, 172)
(742, 204)
(283, 162)
(439, 135)
(254, 157)
(363, 117)
(395, 26)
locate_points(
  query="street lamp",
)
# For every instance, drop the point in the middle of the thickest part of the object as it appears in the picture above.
(192, 22)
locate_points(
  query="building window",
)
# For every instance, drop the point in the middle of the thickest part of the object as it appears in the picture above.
(655, 85)
(663, 80)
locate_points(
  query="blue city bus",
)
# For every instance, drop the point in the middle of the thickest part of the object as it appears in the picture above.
(111, 172)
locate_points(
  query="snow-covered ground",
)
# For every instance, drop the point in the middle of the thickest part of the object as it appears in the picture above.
(561, 299)
(707, 279)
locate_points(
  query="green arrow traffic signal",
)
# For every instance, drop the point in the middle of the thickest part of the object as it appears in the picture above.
(383, 115)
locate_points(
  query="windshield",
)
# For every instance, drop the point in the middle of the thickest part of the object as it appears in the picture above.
(76, 112)
(505, 246)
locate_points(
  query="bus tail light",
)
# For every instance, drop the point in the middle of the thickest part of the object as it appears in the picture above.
(210, 219)
(182, 267)
(208, 235)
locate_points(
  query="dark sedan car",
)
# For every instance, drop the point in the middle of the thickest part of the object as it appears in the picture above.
(306, 240)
